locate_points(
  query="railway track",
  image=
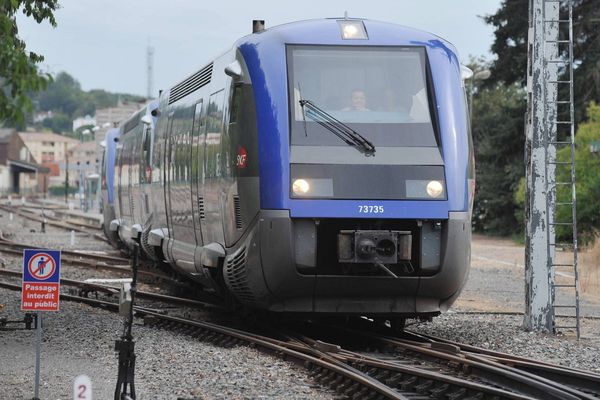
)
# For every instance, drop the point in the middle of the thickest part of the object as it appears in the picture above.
(418, 368)
(519, 375)
(94, 261)
(70, 225)
(85, 288)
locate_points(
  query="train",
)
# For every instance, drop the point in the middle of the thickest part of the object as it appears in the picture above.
(321, 167)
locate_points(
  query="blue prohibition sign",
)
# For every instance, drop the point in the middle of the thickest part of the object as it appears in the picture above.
(41, 266)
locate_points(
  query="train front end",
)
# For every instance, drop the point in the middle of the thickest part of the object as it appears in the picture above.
(366, 172)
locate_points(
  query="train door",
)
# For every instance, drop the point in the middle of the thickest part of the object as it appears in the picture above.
(124, 180)
(145, 170)
(181, 229)
(117, 184)
(197, 181)
(136, 206)
(168, 167)
(212, 229)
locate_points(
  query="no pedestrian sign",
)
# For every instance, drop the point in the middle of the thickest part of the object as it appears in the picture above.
(41, 280)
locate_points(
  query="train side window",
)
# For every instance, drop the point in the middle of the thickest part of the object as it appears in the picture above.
(146, 167)
(235, 104)
(198, 120)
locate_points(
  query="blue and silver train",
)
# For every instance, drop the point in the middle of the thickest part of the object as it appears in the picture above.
(318, 167)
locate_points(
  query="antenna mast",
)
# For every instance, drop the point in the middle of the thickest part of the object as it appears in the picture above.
(149, 69)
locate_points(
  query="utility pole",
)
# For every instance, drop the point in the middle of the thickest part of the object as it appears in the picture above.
(540, 155)
(149, 69)
(66, 175)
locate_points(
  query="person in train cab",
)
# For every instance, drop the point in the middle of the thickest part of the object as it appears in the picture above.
(358, 101)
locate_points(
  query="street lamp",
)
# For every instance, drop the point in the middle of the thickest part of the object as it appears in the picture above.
(477, 76)
(86, 132)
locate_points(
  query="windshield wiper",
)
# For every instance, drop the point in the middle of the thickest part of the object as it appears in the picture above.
(338, 128)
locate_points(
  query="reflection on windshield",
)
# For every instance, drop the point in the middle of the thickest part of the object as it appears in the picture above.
(363, 85)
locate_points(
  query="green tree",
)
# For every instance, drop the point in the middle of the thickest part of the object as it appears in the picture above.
(510, 46)
(19, 74)
(510, 43)
(499, 141)
(587, 173)
(62, 95)
(59, 123)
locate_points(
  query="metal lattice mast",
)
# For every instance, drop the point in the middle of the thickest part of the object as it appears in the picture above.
(149, 70)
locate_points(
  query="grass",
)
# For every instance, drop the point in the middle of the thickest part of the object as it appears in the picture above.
(589, 267)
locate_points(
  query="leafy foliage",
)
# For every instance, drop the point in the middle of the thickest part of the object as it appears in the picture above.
(67, 101)
(19, 74)
(499, 141)
(510, 43)
(587, 168)
(62, 95)
(510, 47)
(587, 165)
(498, 126)
(58, 123)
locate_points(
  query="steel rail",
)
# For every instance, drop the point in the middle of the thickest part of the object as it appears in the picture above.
(59, 224)
(105, 258)
(578, 378)
(78, 261)
(322, 360)
(360, 378)
(114, 290)
(394, 372)
(502, 375)
(489, 371)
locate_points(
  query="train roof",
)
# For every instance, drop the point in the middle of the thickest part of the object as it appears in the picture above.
(327, 31)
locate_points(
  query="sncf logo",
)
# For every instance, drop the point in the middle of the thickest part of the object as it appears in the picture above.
(242, 158)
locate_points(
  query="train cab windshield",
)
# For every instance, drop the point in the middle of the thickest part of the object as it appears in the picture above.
(380, 92)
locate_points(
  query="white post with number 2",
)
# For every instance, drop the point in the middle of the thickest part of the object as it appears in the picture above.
(82, 388)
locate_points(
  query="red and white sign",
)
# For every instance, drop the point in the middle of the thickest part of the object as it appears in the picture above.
(41, 266)
(41, 280)
(40, 296)
(242, 158)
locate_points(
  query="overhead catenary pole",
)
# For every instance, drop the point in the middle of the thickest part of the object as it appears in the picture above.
(540, 170)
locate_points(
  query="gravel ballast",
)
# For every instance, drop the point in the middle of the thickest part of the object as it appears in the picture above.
(80, 339)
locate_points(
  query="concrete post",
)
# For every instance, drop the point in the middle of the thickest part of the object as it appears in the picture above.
(540, 153)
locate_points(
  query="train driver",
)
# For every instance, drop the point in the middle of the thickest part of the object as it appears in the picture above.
(358, 101)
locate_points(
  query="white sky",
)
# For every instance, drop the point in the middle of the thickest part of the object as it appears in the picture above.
(102, 43)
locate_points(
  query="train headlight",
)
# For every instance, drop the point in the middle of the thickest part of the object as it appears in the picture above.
(353, 29)
(300, 186)
(434, 189)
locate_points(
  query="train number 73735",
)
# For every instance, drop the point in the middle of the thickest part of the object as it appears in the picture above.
(370, 209)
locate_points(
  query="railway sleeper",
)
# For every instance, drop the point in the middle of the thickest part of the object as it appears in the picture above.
(346, 383)
(476, 396)
(393, 381)
(409, 383)
(440, 390)
(351, 389)
(424, 386)
(382, 375)
(336, 382)
(361, 394)
(329, 378)
(457, 395)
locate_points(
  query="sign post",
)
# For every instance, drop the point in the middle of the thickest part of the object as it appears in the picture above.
(40, 291)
